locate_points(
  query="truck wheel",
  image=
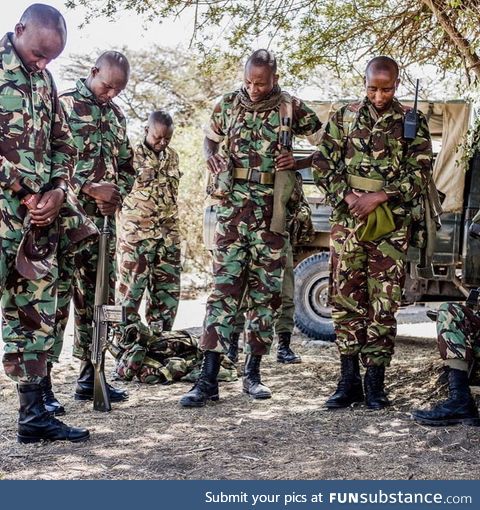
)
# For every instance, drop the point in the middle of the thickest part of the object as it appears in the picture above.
(313, 316)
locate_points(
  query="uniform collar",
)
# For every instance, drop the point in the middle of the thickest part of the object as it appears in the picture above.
(395, 107)
(152, 154)
(10, 58)
(87, 93)
(84, 90)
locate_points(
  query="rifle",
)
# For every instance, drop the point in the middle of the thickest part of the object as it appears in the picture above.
(410, 123)
(103, 316)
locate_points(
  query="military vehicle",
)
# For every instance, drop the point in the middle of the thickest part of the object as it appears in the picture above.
(456, 262)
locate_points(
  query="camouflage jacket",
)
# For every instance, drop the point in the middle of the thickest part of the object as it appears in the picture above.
(35, 141)
(150, 210)
(356, 141)
(100, 135)
(251, 139)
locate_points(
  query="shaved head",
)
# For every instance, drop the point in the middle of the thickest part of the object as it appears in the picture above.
(262, 58)
(39, 36)
(114, 59)
(382, 64)
(381, 82)
(109, 76)
(260, 75)
(44, 16)
(159, 131)
(160, 117)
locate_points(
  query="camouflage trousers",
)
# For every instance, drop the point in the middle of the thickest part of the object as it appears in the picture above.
(458, 330)
(151, 265)
(366, 281)
(284, 322)
(77, 281)
(28, 306)
(248, 262)
(66, 269)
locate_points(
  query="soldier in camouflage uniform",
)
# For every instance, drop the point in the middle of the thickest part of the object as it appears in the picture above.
(36, 154)
(148, 251)
(364, 164)
(458, 330)
(301, 231)
(248, 257)
(103, 176)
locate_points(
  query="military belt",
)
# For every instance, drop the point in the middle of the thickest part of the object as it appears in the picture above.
(364, 183)
(252, 175)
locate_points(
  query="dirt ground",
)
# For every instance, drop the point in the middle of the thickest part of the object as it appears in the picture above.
(288, 437)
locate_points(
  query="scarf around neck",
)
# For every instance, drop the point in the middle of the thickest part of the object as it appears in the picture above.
(270, 102)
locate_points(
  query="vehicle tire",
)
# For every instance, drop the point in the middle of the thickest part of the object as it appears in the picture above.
(313, 316)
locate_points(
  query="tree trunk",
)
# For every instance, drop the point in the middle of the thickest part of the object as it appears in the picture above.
(460, 42)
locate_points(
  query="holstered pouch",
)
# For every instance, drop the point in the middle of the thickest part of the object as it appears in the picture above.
(220, 185)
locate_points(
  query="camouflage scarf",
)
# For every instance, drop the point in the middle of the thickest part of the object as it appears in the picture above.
(270, 102)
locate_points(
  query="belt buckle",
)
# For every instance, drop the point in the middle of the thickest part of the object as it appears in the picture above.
(255, 176)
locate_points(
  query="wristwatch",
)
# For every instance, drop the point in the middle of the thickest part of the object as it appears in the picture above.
(28, 188)
(61, 185)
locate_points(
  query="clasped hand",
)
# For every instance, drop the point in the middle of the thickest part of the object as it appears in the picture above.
(44, 208)
(362, 204)
(106, 195)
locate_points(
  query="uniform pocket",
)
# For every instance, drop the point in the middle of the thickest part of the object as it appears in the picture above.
(11, 103)
(12, 109)
(145, 175)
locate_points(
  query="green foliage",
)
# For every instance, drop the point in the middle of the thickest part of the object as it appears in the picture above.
(471, 146)
(330, 33)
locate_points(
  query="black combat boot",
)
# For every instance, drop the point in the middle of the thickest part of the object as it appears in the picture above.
(35, 423)
(232, 353)
(459, 408)
(349, 389)
(284, 353)
(52, 405)
(84, 388)
(375, 396)
(252, 384)
(206, 387)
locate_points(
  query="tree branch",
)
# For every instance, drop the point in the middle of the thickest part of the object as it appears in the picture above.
(461, 43)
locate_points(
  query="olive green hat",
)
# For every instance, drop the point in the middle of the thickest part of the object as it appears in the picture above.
(379, 223)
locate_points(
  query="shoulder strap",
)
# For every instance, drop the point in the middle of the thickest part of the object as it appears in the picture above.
(286, 110)
(232, 119)
(286, 105)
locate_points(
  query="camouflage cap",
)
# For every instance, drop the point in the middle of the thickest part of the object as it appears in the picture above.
(37, 250)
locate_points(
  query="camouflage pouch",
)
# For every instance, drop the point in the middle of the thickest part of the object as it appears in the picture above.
(220, 185)
(131, 362)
